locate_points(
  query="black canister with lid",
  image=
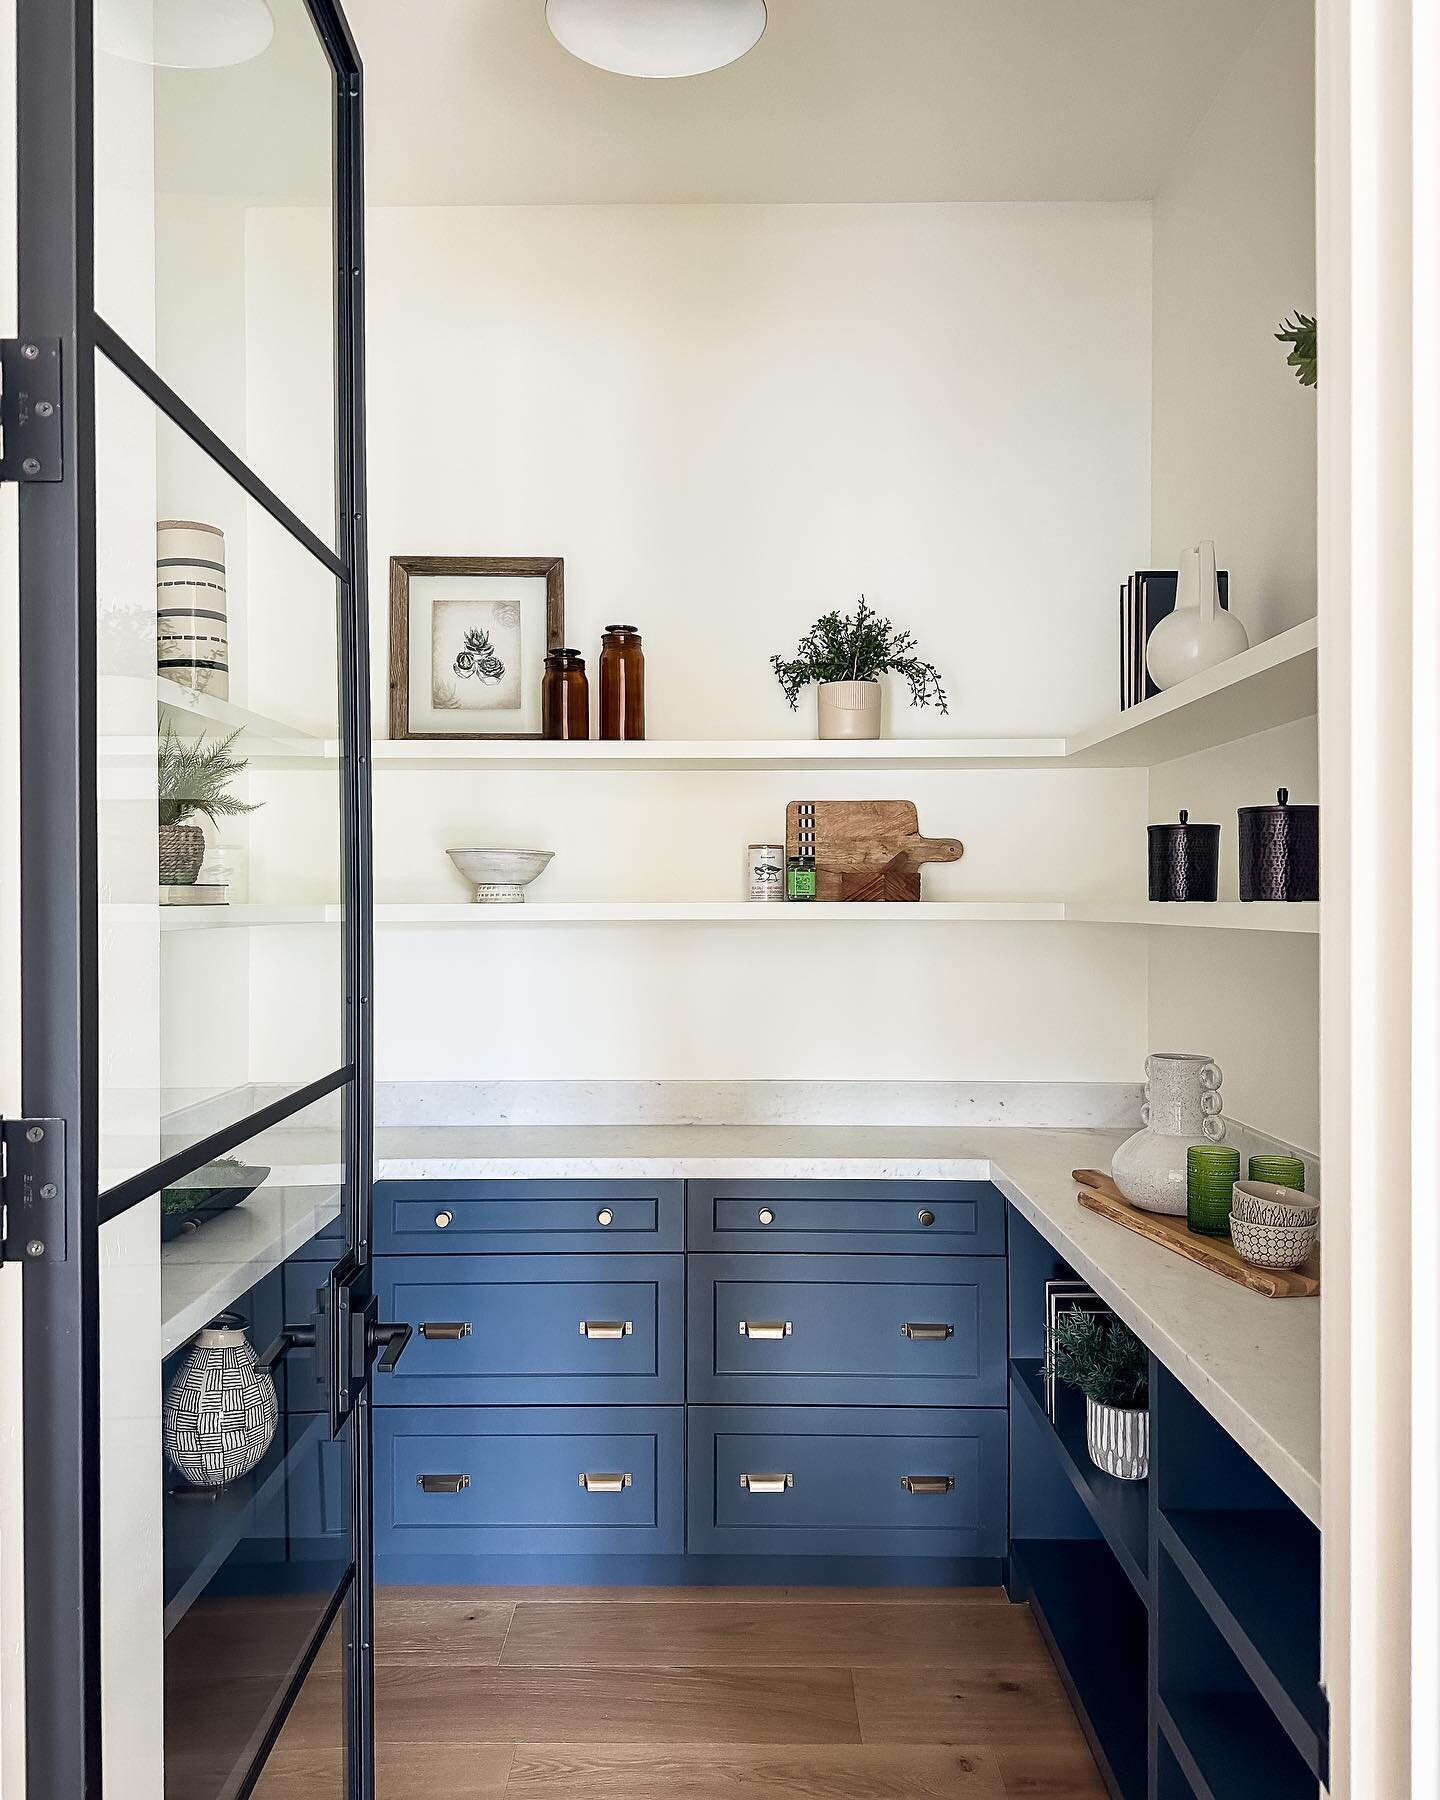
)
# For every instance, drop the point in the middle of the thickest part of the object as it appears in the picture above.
(1184, 861)
(1280, 851)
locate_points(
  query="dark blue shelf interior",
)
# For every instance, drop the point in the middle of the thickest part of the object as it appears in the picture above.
(1120, 1509)
(1230, 1747)
(1097, 1630)
(1258, 1575)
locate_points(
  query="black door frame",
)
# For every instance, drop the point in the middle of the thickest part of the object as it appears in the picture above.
(59, 938)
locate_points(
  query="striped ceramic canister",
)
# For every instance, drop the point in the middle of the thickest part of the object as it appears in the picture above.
(191, 628)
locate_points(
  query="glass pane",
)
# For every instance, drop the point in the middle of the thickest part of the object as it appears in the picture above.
(221, 971)
(225, 1502)
(214, 225)
(308, 1761)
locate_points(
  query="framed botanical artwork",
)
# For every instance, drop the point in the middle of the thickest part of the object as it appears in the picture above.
(468, 637)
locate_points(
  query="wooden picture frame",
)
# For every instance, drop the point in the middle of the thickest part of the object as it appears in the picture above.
(421, 712)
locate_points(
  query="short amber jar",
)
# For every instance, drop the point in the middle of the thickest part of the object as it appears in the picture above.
(622, 683)
(565, 696)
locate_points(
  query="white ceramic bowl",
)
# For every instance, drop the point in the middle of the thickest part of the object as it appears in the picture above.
(1267, 1203)
(1273, 1246)
(500, 876)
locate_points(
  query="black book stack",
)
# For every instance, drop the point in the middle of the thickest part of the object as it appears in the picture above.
(1145, 599)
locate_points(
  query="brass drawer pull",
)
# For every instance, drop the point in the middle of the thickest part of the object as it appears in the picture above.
(448, 1331)
(605, 1216)
(606, 1484)
(606, 1328)
(927, 1484)
(926, 1334)
(767, 1215)
(442, 1484)
(444, 1220)
(766, 1484)
(925, 1216)
(766, 1328)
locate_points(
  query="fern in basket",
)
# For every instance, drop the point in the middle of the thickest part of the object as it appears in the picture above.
(195, 778)
(858, 647)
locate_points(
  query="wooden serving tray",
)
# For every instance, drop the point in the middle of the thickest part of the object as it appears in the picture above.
(1099, 1194)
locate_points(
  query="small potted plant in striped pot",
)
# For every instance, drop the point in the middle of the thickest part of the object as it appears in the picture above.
(1100, 1355)
(194, 777)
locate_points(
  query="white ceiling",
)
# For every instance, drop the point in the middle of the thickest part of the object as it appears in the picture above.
(472, 101)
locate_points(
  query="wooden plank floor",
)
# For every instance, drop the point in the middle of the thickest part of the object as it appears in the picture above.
(666, 1694)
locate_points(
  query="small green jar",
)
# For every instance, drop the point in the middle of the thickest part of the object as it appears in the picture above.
(1285, 1171)
(1211, 1171)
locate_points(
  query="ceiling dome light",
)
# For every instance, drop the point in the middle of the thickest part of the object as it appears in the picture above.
(184, 34)
(658, 39)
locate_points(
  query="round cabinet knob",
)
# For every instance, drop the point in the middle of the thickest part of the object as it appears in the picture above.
(767, 1216)
(925, 1216)
(444, 1219)
(605, 1216)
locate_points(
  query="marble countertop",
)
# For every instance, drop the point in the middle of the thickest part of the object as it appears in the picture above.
(1253, 1363)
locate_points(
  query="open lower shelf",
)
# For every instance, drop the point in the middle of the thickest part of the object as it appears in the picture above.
(1120, 1509)
(204, 1271)
(1098, 1633)
(1221, 915)
(1230, 1747)
(1239, 1564)
(1272, 684)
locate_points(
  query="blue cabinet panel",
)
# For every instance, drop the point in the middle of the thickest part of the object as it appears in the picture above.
(440, 1217)
(561, 1330)
(916, 1216)
(814, 1480)
(870, 1330)
(490, 1481)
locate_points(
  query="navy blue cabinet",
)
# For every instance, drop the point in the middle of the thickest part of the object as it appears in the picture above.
(535, 1329)
(441, 1217)
(868, 1330)
(824, 1480)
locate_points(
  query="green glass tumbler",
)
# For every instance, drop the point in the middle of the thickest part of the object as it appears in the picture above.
(1211, 1171)
(1285, 1171)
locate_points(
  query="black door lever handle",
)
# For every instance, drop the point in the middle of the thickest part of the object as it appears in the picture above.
(394, 1338)
(292, 1337)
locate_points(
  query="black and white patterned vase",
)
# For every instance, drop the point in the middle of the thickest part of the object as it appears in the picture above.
(192, 627)
(220, 1411)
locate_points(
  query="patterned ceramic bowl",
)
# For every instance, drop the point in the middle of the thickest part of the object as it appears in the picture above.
(1273, 1246)
(1267, 1203)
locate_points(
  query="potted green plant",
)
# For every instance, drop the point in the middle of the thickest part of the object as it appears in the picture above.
(1100, 1355)
(1299, 334)
(846, 655)
(194, 777)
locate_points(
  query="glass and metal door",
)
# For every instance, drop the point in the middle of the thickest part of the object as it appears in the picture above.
(189, 1186)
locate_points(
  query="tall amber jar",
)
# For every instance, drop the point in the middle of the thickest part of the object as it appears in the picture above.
(565, 696)
(622, 683)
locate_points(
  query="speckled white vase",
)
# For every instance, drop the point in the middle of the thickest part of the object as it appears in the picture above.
(1182, 1107)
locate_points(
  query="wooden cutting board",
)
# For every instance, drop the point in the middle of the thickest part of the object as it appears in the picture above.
(867, 838)
(1099, 1194)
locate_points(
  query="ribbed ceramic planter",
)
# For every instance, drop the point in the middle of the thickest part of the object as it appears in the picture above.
(1118, 1440)
(182, 850)
(848, 709)
(221, 1411)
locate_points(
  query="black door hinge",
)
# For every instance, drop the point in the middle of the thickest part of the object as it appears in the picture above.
(30, 410)
(32, 1190)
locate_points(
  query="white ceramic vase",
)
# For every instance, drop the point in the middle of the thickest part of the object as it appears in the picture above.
(1199, 633)
(192, 633)
(220, 1411)
(848, 709)
(1182, 1107)
(1118, 1438)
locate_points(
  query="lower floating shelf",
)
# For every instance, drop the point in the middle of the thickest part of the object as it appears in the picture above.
(1229, 1747)
(1097, 1630)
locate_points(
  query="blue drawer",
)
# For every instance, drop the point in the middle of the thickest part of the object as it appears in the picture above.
(490, 1481)
(539, 1329)
(528, 1215)
(967, 1217)
(795, 1481)
(868, 1330)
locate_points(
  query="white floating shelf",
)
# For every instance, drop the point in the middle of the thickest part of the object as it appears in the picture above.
(265, 740)
(1272, 684)
(1221, 915)
(215, 918)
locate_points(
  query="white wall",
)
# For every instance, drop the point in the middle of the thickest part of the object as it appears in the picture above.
(1234, 432)
(729, 419)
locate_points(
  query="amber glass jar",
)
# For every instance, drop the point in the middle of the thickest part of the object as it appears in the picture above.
(622, 683)
(565, 696)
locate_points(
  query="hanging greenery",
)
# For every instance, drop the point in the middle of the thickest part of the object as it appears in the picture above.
(862, 647)
(1299, 333)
